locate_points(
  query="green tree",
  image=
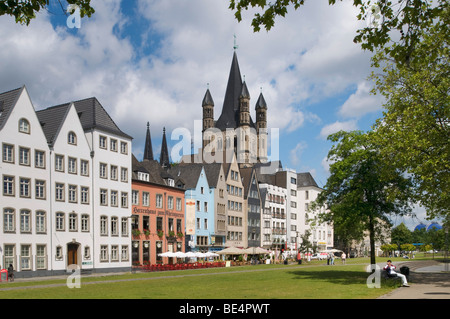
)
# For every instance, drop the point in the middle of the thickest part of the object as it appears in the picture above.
(361, 189)
(402, 20)
(414, 132)
(401, 235)
(25, 10)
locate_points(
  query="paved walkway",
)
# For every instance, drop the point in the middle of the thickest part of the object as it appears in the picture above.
(427, 280)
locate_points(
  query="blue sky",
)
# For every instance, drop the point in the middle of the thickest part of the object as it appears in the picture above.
(150, 61)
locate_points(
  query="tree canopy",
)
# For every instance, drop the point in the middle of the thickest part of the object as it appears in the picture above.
(362, 191)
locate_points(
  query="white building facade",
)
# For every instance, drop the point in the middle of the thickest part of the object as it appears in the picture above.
(69, 204)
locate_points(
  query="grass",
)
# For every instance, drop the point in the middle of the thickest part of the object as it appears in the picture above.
(307, 281)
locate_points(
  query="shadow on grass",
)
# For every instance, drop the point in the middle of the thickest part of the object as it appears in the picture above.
(341, 277)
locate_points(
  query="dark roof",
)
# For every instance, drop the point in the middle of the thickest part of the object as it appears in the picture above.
(229, 118)
(208, 100)
(92, 116)
(188, 174)
(151, 167)
(164, 155)
(51, 120)
(261, 103)
(148, 150)
(244, 91)
(246, 176)
(7, 102)
(212, 171)
(305, 180)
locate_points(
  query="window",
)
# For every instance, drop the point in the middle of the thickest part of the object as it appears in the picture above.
(8, 153)
(104, 225)
(73, 193)
(41, 257)
(293, 180)
(41, 223)
(113, 172)
(25, 221)
(124, 199)
(9, 222)
(84, 223)
(24, 126)
(103, 197)
(24, 156)
(123, 147)
(8, 185)
(60, 221)
(124, 226)
(72, 169)
(87, 252)
(39, 159)
(72, 138)
(124, 174)
(145, 199)
(103, 170)
(306, 194)
(178, 204)
(9, 255)
(102, 141)
(114, 199)
(113, 145)
(58, 253)
(73, 222)
(59, 163)
(59, 192)
(134, 197)
(25, 257)
(103, 253)
(206, 223)
(170, 202)
(114, 253)
(206, 207)
(24, 187)
(114, 226)
(159, 201)
(124, 253)
(84, 194)
(84, 168)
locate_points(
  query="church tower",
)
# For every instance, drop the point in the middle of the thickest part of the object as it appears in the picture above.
(164, 156)
(238, 131)
(261, 128)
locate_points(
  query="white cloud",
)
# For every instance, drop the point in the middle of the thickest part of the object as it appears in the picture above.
(308, 56)
(361, 102)
(296, 153)
(336, 127)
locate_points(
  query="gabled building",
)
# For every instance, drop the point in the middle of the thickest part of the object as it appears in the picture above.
(158, 215)
(199, 197)
(252, 206)
(26, 222)
(236, 216)
(66, 174)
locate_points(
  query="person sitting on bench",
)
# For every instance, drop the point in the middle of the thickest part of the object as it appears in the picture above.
(390, 270)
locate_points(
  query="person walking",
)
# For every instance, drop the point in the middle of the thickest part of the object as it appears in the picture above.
(332, 258)
(11, 272)
(390, 269)
(343, 256)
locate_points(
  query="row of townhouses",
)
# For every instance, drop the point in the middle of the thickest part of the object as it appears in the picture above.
(74, 194)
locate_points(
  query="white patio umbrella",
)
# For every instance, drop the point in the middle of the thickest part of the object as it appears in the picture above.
(180, 254)
(231, 251)
(167, 254)
(190, 254)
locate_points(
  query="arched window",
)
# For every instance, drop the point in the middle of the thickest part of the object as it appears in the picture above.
(72, 138)
(24, 126)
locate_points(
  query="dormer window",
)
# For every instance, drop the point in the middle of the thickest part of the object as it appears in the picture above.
(72, 138)
(24, 126)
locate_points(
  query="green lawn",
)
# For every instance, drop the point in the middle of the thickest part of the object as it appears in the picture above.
(307, 281)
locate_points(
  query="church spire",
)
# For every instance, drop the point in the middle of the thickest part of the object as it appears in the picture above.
(148, 150)
(164, 156)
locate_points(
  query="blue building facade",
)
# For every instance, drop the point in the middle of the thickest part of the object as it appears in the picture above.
(194, 180)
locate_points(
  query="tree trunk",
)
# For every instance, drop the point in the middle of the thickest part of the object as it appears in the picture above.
(372, 240)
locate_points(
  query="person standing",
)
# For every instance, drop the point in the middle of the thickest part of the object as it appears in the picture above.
(343, 256)
(11, 272)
